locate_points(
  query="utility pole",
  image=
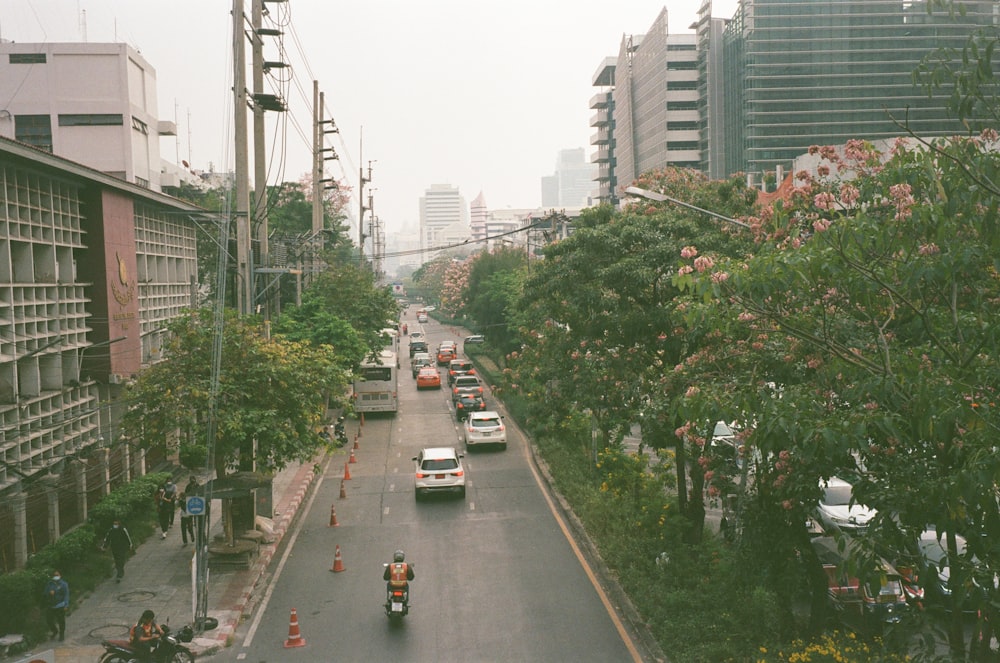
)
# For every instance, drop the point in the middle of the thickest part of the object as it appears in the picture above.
(363, 208)
(259, 157)
(242, 205)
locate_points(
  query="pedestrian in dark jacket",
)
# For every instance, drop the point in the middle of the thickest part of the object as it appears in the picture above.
(164, 508)
(170, 494)
(56, 602)
(187, 520)
(120, 542)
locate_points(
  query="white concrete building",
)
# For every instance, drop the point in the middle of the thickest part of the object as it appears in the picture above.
(444, 219)
(94, 104)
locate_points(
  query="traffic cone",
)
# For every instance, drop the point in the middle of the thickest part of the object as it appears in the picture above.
(294, 639)
(353, 459)
(347, 471)
(356, 445)
(338, 562)
(333, 516)
(343, 491)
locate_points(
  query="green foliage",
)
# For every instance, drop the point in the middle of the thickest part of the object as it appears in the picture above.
(130, 503)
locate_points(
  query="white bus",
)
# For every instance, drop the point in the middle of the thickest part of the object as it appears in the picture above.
(375, 388)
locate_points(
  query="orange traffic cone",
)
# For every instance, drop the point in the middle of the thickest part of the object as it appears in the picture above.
(333, 516)
(343, 491)
(294, 639)
(353, 459)
(356, 445)
(338, 562)
(347, 471)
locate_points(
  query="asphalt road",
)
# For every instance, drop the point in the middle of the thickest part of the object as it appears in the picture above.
(497, 576)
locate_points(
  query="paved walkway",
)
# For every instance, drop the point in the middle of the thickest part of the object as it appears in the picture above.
(159, 577)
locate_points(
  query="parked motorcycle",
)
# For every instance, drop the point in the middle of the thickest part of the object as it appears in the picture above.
(170, 650)
(340, 432)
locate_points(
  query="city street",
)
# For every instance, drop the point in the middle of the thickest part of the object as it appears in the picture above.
(497, 575)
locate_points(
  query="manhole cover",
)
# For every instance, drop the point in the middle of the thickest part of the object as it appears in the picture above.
(110, 632)
(136, 597)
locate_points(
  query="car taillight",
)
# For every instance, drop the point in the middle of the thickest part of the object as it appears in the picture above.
(459, 473)
(421, 475)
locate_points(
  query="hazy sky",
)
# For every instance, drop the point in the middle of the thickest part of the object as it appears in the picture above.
(477, 94)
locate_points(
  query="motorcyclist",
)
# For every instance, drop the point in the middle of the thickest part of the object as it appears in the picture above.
(145, 635)
(398, 574)
(339, 431)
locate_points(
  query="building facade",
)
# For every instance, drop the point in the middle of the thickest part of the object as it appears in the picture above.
(827, 71)
(603, 139)
(91, 270)
(444, 219)
(94, 104)
(573, 182)
(656, 102)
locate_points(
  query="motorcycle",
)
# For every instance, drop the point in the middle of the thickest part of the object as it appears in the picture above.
(397, 601)
(170, 649)
(340, 432)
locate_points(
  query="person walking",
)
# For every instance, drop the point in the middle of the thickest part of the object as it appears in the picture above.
(170, 494)
(56, 602)
(164, 508)
(121, 545)
(187, 520)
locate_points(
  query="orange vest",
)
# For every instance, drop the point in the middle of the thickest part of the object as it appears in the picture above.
(397, 574)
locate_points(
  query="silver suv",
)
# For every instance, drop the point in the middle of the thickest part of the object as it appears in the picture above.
(466, 384)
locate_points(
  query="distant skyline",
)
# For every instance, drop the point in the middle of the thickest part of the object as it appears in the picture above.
(482, 97)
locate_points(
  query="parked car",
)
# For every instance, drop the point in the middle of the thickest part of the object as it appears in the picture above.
(468, 403)
(438, 469)
(420, 360)
(877, 599)
(925, 569)
(838, 511)
(466, 384)
(428, 378)
(475, 339)
(483, 428)
(458, 367)
(417, 346)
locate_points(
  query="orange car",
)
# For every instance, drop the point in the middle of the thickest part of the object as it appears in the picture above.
(428, 378)
(445, 355)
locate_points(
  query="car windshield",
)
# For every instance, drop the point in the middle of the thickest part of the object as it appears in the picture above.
(436, 464)
(485, 423)
(837, 495)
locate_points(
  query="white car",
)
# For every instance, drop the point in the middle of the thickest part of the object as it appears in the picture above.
(438, 470)
(836, 510)
(485, 427)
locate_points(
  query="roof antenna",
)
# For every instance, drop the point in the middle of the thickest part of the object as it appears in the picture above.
(83, 25)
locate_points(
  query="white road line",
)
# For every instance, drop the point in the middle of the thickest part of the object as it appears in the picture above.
(262, 608)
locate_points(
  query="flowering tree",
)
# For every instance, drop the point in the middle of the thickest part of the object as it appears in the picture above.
(876, 286)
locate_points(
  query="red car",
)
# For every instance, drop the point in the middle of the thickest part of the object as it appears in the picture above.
(445, 355)
(428, 378)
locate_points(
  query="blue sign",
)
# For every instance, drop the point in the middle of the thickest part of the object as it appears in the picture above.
(195, 505)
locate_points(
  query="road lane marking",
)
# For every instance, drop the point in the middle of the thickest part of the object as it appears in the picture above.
(262, 608)
(622, 631)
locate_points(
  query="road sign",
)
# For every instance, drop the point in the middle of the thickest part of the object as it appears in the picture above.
(195, 505)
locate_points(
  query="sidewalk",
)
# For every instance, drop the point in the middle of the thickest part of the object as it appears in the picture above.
(158, 577)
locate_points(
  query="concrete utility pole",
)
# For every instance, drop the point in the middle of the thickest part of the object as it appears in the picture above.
(317, 169)
(361, 211)
(259, 156)
(242, 166)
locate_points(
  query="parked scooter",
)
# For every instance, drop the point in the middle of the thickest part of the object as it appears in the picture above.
(170, 649)
(340, 432)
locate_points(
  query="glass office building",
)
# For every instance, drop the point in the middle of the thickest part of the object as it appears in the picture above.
(815, 72)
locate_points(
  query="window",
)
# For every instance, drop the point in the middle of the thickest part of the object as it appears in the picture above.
(91, 120)
(34, 130)
(26, 58)
(682, 105)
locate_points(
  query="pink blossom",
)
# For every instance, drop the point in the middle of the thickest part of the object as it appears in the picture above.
(746, 317)
(719, 277)
(929, 249)
(787, 505)
(686, 269)
(990, 135)
(849, 193)
(822, 170)
(689, 252)
(708, 475)
(662, 336)
(784, 454)
(821, 225)
(692, 391)
(824, 200)
(703, 263)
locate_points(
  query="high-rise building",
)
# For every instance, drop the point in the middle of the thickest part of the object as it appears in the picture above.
(477, 217)
(603, 120)
(91, 103)
(572, 184)
(656, 102)
(444, 219)
(827, 71)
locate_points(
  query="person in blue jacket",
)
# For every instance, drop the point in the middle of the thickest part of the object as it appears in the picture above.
(56, 602)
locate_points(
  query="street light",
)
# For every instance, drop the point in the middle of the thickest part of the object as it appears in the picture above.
(660, 198)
